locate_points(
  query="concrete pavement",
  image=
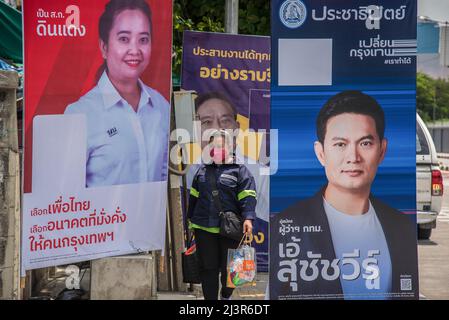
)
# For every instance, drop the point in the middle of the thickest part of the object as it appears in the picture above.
(433, 254)
(434, 263)
(256, 292)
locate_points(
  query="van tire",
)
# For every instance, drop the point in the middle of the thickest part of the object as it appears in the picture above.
(424, 234)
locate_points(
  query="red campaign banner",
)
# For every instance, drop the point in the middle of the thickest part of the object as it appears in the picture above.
(96, 138)
(60, 68)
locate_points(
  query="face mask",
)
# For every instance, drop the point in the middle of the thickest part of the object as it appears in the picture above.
(218, 155)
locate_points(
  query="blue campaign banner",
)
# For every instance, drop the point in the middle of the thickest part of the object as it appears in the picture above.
(237, 66)
(343, 201)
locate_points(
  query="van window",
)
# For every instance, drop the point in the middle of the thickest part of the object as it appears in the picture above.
(422, 148)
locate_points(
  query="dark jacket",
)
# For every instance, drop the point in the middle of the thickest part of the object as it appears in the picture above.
(399, 231)
(237, 191)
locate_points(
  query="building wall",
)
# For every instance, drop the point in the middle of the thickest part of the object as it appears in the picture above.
(428, 37)
(9, 188)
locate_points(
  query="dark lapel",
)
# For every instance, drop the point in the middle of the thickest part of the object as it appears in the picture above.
(392, 236)
(324, 243)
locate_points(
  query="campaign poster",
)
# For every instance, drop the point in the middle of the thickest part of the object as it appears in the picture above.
(344, 197)
(97, 113)
(237, 66)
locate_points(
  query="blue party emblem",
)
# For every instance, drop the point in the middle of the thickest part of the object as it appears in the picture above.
(293, 13)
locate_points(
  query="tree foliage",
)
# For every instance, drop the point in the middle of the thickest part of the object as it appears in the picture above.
(425, 96)
(254, 17)
(432, 98)
(442, 98)
(209, 15)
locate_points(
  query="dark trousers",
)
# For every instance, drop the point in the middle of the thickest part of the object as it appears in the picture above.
(213, 254)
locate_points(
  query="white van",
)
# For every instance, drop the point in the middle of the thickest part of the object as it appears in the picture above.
(429, 181)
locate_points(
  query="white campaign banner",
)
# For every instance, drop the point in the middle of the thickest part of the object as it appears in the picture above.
(65, 222)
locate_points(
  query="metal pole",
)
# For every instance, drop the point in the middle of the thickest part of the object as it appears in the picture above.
(445, 57)
(434, 104)
(443, 43)
(232, 16)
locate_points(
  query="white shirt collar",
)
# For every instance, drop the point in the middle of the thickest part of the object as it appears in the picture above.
(330, 210)
(145, 98)
(111, 96)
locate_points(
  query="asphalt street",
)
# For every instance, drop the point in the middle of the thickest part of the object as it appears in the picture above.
(434, 255)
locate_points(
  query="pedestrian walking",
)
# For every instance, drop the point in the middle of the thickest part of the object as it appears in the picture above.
(233, 185)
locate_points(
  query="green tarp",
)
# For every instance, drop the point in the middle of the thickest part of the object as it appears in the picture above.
(10, 33)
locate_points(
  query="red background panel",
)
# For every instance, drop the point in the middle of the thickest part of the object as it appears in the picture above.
(60, 69)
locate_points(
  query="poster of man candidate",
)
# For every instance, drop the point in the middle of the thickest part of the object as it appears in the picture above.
(97, 110)
(344, 197)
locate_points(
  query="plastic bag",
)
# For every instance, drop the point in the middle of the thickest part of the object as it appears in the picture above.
(241, 266)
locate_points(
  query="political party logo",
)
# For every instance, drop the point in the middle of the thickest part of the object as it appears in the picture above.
(293, 13)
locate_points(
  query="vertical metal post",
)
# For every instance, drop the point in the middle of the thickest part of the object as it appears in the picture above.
(232, 16)
(444, 42)
(434, 105)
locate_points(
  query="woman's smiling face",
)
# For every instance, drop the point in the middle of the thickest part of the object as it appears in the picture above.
(128, 50)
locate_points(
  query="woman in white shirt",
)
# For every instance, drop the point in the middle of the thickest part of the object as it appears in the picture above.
(127, 122)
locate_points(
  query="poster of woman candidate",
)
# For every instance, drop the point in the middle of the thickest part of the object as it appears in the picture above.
(344, 223)
(97, 113)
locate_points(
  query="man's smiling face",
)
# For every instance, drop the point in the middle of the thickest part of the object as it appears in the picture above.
(351, 152)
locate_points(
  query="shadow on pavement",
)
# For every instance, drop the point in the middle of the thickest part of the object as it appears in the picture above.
(427, 243)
